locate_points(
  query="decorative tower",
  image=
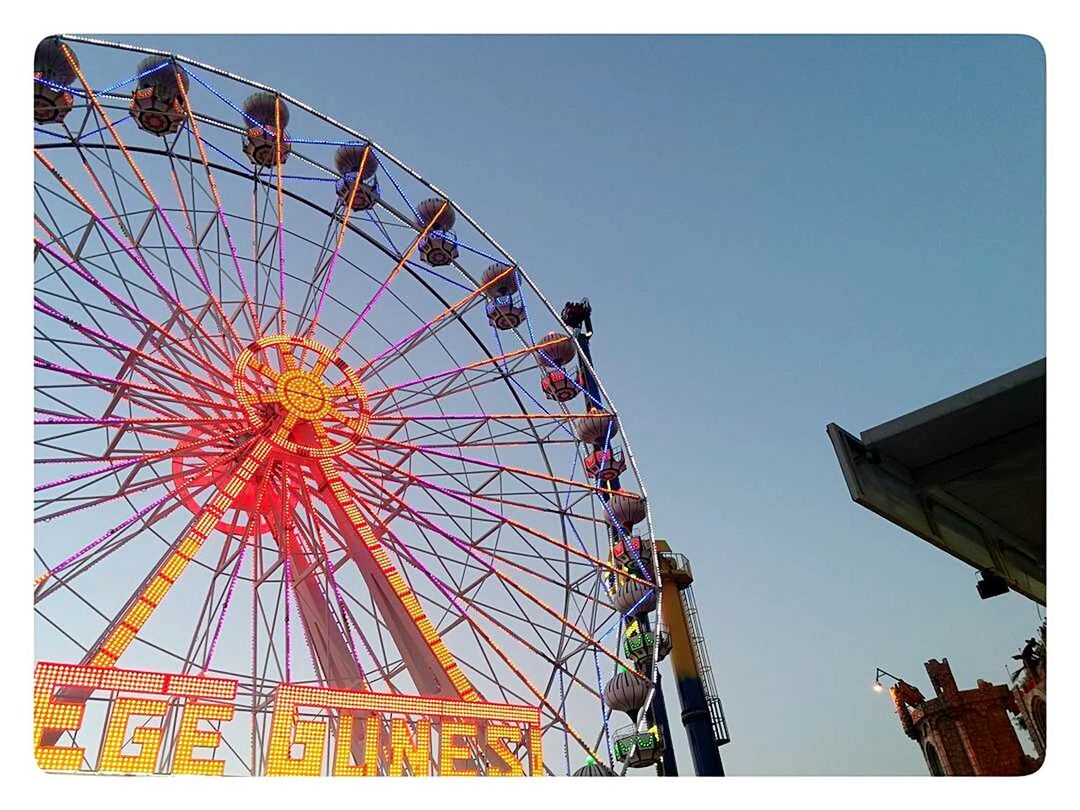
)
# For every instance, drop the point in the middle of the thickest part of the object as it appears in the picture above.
(1029, 690)
(962, 733)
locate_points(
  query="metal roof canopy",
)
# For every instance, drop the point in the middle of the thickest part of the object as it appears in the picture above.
(967, 474)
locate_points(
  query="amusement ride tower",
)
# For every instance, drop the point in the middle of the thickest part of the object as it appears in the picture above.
(678, 635)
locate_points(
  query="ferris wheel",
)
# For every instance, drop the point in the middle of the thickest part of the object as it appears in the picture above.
(301, 423)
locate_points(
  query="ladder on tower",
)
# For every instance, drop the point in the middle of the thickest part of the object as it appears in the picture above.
(701, 655)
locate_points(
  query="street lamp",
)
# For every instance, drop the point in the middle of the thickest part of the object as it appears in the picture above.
(878, 686)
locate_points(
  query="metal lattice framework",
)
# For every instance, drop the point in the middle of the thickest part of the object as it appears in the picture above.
(275, 443)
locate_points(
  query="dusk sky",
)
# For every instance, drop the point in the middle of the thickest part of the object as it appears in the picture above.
(776, 233)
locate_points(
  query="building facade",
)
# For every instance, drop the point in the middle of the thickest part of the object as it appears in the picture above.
(969, 732)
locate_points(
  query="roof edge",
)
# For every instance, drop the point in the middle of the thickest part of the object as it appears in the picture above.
(957, 402)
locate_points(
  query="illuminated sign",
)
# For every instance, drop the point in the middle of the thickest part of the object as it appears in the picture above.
(313, 730)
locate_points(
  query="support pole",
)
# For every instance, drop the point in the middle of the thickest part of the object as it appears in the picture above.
(704, 748)
(702, 714)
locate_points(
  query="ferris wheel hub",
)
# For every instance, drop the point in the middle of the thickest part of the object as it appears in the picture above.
(303, 394)
(284, 384)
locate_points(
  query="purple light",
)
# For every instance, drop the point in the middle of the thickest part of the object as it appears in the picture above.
(110, 533)
(225, 606)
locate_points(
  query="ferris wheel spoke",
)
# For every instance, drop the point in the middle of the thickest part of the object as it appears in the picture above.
(89, 555)
(53, 229)
(494, 433)
(425, 520)
(161, 380)
(469, 383)
(132, 487)
(135, 314)
(92, 98)
(387, 515)
(124, 495)
(147, 415)
(256, 330)
(461, 369)
(125, 491)
(133, 353)
(135, 455)
(147, 326)
(140, 459)
(315, 283)
(503, 498)
(487, 611)
(508, 661)
(507, 580)
(497, 680)
(278, 134)
(58, 418)
(340, 240)
(135, 617)
(108, 383)
(478, 417)
(474, 606)
(509, 521)
(463, 430)
(200, 237)
(501, 468)
(263, 622)
(497, 518)
(345, 500)
(393, 274)
(262, 243)
(402, 347)
(128, 246)
(123, 217)
(216, 613)
(71, 298)
(163, 407)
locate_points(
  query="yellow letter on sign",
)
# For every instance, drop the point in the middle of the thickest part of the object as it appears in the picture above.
(455, 758)
(311, 734)
(56, 715)
(406, 750)
(145, 736)
(190, 738)
(346, 744)
(498, 739)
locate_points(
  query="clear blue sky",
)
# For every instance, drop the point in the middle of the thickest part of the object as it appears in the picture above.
(776, 233)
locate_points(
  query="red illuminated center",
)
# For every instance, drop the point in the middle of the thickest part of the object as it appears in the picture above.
(300, 395)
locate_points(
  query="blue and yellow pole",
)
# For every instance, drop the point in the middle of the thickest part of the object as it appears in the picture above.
(704, 747)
